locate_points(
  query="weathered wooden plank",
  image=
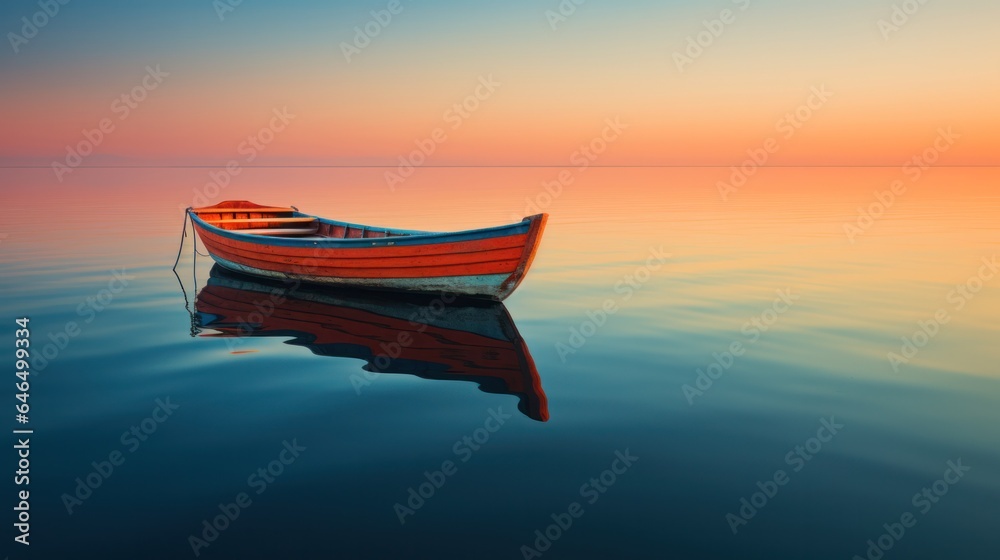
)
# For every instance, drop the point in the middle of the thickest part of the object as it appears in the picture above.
(398, 261)
(279, 231)
(362, 251)
(249, 220)
(473, 269)
(223, 210)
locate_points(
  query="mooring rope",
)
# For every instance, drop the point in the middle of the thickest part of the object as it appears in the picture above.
(183, 235)
(194, 327)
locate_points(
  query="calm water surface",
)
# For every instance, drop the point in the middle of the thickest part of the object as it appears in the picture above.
(749, 342)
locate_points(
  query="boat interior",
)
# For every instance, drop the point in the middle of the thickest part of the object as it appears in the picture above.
(281, 222)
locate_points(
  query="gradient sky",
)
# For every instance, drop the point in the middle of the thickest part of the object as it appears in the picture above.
(557, 87)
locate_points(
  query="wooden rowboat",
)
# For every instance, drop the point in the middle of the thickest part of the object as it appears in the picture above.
(431, 338)
(281, 243)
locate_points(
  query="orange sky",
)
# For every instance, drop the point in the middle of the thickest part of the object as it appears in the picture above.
(553, 89)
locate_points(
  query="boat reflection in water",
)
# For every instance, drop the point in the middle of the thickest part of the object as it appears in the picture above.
(440, 337)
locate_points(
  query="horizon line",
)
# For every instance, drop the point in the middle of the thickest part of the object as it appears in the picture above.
(715, 166)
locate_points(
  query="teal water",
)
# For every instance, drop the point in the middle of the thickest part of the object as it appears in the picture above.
(646, 283)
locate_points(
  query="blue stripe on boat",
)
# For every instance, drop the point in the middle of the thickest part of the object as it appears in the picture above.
(411, 237)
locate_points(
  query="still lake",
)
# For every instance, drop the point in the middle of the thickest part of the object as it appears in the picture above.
(806, 367)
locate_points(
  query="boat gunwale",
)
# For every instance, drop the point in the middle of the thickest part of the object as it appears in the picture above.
(407, 237)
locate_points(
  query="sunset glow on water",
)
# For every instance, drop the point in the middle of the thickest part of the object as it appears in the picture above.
(855, 293)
